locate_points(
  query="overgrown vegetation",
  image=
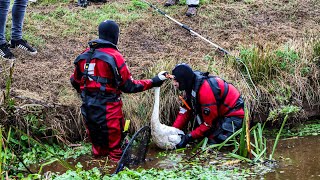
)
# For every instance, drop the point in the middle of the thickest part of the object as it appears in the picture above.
(180, 172)
(37, 99)
(19, 151)
(251, 145)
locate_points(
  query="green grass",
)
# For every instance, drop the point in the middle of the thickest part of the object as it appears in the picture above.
(52, 2)
(78, 21)
(316, 50)
(266, 64)
(260, 63)
(311, 128)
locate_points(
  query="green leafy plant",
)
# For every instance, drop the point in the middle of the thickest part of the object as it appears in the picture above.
(194, 171)
(80, 174)
(61, 161)
(259, 145)
(3, 150)
(286, 58)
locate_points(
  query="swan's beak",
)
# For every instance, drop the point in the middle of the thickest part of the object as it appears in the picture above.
(169, 76)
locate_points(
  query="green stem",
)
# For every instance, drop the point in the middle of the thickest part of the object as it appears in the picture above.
(278, 136)
(8, 83)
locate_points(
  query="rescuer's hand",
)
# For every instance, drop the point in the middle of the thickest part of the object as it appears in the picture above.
(185, 139)
(158, 80)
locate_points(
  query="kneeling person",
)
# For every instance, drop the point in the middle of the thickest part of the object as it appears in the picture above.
(216, 106)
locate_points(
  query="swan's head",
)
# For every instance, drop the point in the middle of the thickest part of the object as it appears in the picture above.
(183, 77)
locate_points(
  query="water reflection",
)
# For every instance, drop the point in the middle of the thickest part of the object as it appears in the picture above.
(299, 159)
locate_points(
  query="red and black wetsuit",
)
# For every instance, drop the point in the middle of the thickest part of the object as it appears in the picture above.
(216, 106)
(107, 76)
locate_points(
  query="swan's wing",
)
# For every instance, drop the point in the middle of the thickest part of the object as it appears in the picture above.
(166, 137)
(170, 130)
(163, 142)
(175, 139)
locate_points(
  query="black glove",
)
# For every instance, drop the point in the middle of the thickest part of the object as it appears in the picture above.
(158, 80)
(185, 139)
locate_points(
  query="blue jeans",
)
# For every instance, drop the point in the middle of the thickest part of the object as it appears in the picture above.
(18, 11)
(192, 2)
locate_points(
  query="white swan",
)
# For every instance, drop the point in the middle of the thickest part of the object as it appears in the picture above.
(165, 137)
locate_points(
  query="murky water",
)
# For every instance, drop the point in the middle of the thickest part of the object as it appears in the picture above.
(87, 162)
(299, 158)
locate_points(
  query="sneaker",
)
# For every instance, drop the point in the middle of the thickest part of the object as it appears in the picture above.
(170, 3)
(5, 52)
(83, 3)
(192, 11)
(23, 44)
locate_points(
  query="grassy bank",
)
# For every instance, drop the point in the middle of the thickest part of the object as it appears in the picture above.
(278, 44)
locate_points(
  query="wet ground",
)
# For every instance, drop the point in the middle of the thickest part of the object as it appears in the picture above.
(297, 158)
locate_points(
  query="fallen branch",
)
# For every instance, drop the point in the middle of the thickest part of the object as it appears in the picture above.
(35, 101)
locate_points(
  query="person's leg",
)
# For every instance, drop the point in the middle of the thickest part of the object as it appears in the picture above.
(115, 123)
(192, 7)
(94, 112)
(98, 150)
(4, 48)
(229, 126)
(18, 12)
(4, 8)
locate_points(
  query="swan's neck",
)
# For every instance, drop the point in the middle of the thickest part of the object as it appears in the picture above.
(155, 118)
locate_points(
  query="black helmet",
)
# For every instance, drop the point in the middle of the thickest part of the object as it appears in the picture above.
(109, 30)
(184, 75)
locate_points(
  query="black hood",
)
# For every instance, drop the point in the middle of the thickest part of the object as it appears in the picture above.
(185, 76)
(109, 30)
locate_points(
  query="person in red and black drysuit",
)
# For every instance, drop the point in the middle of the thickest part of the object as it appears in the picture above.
(100, 75)
(215, 105)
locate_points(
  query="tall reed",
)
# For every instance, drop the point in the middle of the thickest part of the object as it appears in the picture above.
(278, 136)
(9, 83)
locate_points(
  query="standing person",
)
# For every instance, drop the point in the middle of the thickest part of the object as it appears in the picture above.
(192, 6)
(18, 12)
(100, 75)
(215, 105)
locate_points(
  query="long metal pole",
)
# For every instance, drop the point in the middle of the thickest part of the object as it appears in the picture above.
(225, 52)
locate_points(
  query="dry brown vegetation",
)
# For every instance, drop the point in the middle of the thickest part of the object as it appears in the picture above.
(151, 43)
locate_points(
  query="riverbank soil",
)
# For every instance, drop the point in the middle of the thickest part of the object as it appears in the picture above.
(42, 102)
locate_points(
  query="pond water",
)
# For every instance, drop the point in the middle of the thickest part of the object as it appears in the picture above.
(298, 158)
